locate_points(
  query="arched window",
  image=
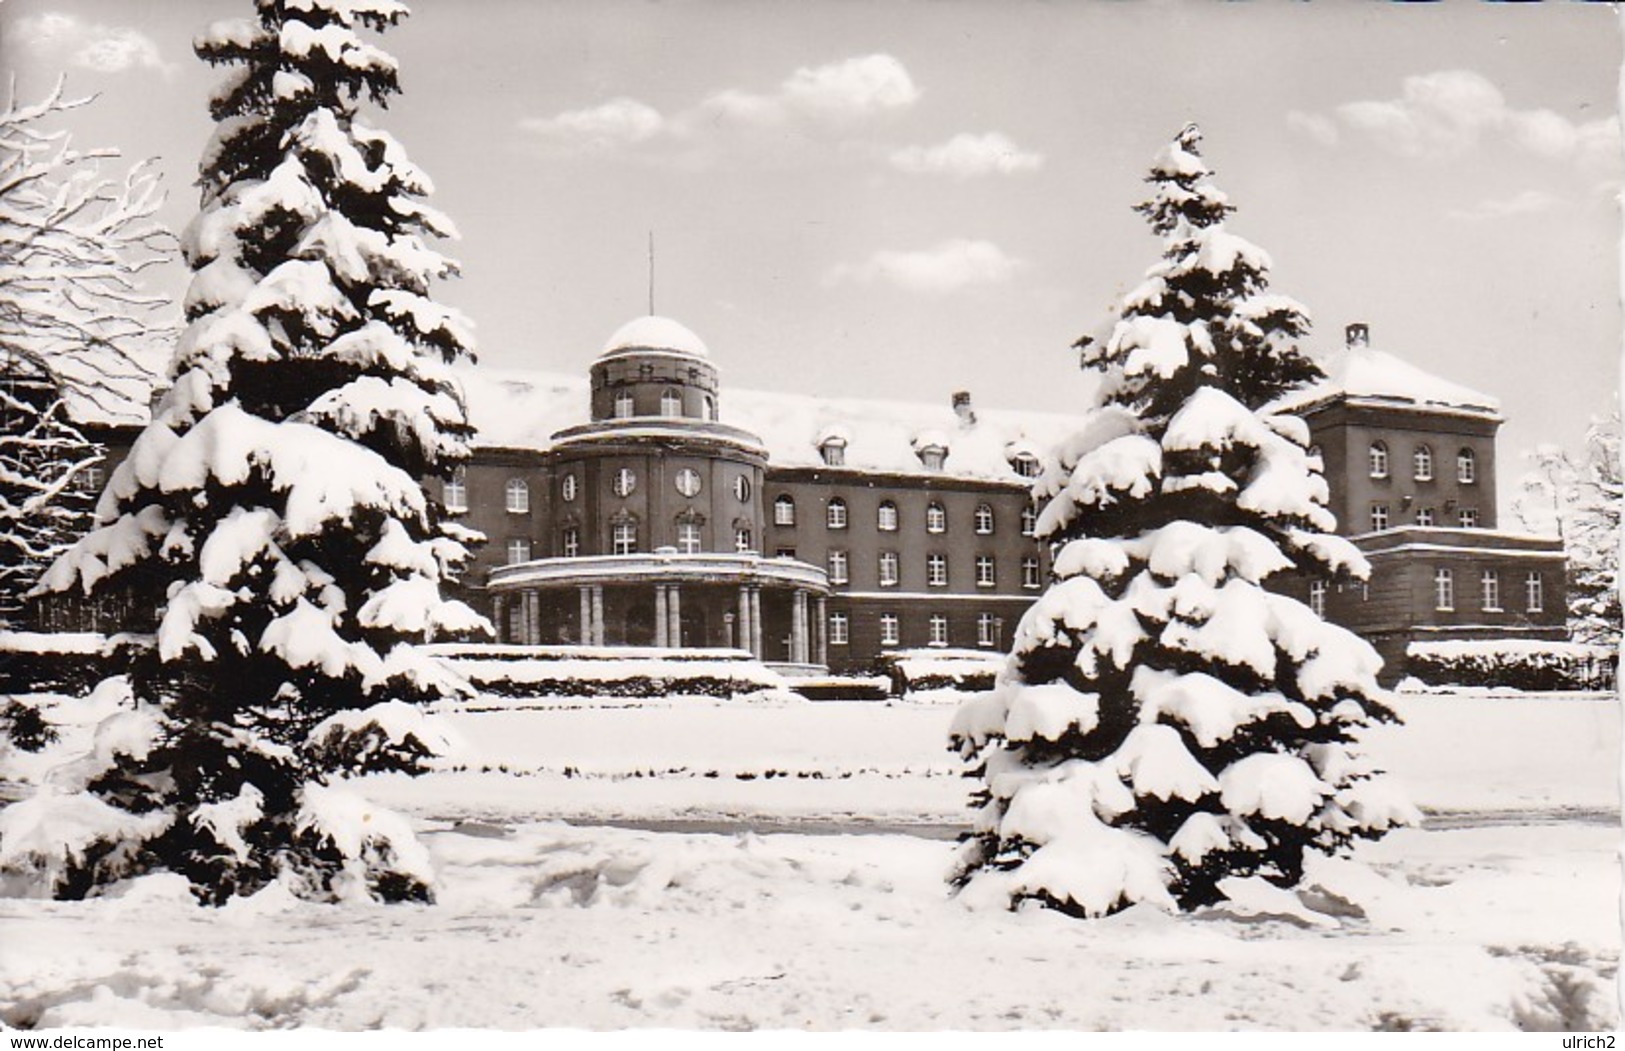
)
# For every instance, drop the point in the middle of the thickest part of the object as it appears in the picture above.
(984, 519)
(936, 518)
(1423, 460)
(623, 404)
(1379, 460)
(518, 496)
(837, 514)
(671, 402)
(784, 510)
(1466, 467)
(886, 517)
(710, 405)
(454, 494)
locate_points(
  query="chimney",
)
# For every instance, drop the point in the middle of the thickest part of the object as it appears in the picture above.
(962, 409)
(1357, 336)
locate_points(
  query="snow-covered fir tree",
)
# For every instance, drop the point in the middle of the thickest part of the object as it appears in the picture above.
(273, 508)
(1166, 723)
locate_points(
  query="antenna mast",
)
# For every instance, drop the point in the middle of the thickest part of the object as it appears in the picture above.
(651, 273)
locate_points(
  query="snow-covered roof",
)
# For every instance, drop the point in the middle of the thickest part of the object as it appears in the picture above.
(523, 409)
(1366, 374)
(655, 333)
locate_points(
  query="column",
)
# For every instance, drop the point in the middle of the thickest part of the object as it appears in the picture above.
(798, 627)
(498, 619)
(660, 615)
(598, 614)
(584, 624)
(674, 610)
(533, 617)
(756, 622)
(821, 630)
(742, 635)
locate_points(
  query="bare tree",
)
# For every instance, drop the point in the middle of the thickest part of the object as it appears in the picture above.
(75, 322)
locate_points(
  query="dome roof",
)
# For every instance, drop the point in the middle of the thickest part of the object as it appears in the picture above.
(654, 333)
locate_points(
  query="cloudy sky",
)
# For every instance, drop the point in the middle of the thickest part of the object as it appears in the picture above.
(901, 199)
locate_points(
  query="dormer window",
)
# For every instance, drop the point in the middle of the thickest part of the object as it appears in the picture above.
(671, 402)
(833, 452)
(1025, 464)
(623, 405)
(932, 458)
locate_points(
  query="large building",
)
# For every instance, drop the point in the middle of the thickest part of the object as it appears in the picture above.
(650, 507)
(645, 505)
(1410, 462)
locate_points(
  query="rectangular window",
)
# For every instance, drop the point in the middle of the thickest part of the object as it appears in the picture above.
(1533, 593)
(624, 538)
(1444, 590)
(1029, 522)
(888, 569)
(1029, 573)
(742, 540)
(1379, 516)
(1424, 516)
(1491, 581)
(837, 567)
(984, 571)
(1317, 597)
(785, 552)
(1467, 518)
(454, 491)
(518, 551)
(939, 629)
(936, 570)
(984, 519)
(688, 538)
(888, 629)
(571, 542)
(987, 629)
(838, 629)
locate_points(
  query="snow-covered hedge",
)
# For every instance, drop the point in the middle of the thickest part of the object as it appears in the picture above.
(1521, 664)
(841, 687)
(919, 671)
(62, 662)
(605, 671)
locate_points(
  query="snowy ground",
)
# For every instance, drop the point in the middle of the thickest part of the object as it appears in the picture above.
(1503, 911)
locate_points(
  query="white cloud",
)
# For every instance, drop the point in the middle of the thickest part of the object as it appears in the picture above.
(617, 122)
(1529, 202)
(90, 45)
(966, 155)
(1317, 126)
(1448, 113)
(836, 95)
(948, 267)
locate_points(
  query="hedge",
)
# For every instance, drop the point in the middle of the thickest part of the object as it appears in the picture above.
(1522, 664)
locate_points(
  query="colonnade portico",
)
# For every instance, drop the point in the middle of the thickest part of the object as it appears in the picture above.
(772, 608)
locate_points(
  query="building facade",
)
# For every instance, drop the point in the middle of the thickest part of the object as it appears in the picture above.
(1410, 463)
(645, 505)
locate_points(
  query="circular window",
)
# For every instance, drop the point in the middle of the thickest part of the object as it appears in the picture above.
(742, 487)
(688, 481)
(626, 480)
(567, 488)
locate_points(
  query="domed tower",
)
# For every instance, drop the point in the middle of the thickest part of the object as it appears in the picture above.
(653, 366)
(657, 518)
